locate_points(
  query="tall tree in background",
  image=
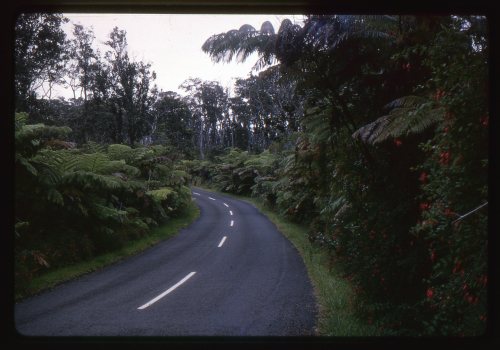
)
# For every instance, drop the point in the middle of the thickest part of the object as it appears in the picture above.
(273, 107)
(209, 104)
(171, 122)
(39, 55)
(130, 85)
(82, 71)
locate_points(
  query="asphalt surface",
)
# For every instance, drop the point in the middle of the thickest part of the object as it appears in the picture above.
(254, 284)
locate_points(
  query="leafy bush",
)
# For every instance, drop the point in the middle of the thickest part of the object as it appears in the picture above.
(74, 203)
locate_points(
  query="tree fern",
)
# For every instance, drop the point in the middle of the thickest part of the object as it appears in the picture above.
(408, 115)
(87, 180)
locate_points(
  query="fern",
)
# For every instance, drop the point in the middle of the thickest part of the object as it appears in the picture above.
(120, 152)
(161, 194)
(109, 214)
(85, 180)
(408, 115)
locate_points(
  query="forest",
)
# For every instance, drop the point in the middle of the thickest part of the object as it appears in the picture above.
(372, 131)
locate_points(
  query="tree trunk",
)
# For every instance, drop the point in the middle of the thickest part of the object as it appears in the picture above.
(202, 155)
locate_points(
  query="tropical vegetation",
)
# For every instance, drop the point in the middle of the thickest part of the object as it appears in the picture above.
(371, 130)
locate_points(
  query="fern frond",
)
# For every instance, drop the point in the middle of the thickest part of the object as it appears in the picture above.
(161, 194)
(89, 181)
(409, 115)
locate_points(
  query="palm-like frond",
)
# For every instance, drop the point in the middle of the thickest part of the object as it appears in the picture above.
(409, 115)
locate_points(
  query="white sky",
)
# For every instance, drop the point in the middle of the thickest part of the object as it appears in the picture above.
(172, 43)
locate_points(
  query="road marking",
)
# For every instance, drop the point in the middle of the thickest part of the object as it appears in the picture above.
(222, 241)
(211, 198)
(232, 222)
(196, 193)
(152, 301)
(226, 205)
(230, 212)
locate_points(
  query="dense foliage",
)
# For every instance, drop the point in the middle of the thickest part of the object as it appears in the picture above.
(391, 150)
(74, 203)
(371, 130)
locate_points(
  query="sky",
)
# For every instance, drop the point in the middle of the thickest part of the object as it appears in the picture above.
(172, 43)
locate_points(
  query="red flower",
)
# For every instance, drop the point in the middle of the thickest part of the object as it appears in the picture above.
(423, 177)
(439, 94)
(484, 121)
(457, 267)
(471, 299)
(446, 129)
(433, 255)
(398, 142)
(482, 318)
(424, 206)
(444, 157)
(429, 293)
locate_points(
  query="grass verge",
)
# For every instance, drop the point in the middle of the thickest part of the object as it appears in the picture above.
(334, 294)
(63, 274)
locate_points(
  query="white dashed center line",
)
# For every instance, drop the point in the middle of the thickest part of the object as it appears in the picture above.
(232, 222)
(226, 205)
(211, 198)
(152, 301)
(196, 193)
(231, 212)
(222, 241)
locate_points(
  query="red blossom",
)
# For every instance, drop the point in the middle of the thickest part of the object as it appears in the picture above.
(444, 157)
(485, 121)
(423, 177)
(482, 318)
(429, 293)
(446, 129)
(471, 299)
(424, 206)
(457, 267)
(439, 94)
(398, 142)
(433, 255)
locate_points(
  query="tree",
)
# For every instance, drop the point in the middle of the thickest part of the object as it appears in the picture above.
(39, 55)
(81, 71)
(171, 121)
(130, 88)
(209, 105)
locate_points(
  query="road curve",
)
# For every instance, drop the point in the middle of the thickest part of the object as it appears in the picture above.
(250, 283)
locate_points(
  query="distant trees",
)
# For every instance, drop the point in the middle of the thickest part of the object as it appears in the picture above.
(39, 56)
(115, 99)
(208, 102)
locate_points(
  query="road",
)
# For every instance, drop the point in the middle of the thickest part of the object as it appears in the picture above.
(250, 283)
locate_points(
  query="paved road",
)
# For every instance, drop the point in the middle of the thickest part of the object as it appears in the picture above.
(253, 282)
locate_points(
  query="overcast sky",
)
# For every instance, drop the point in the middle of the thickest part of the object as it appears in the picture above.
(172, 43)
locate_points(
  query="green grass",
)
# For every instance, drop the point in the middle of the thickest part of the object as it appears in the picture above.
(63, 274)
(335, 296)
